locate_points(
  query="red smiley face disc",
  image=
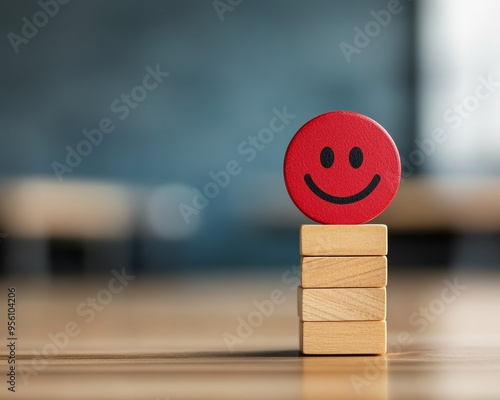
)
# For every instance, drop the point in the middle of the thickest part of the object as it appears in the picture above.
(342, 168)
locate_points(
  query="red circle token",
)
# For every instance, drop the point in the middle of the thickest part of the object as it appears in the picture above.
(342, 168)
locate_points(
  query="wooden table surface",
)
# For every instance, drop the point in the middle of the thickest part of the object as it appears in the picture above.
(162, 338)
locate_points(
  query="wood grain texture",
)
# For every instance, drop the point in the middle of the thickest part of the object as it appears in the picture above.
(161, 338)
(352, 304)
(324, 376)
(352, 337)
(329, 272)
(343, 240)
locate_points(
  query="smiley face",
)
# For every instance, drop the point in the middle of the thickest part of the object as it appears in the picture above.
(355, 159)
(342, 168)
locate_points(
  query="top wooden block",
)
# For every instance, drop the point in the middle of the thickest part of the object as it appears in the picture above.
(343, 240)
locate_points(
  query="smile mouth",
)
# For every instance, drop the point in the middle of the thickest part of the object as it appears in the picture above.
(342, 200)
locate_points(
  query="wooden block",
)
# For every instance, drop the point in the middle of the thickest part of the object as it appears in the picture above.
(343, 240)
(352, 337)
(330, 272)
(353, 304)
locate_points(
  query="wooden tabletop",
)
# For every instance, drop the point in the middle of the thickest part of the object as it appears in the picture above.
(164, 338)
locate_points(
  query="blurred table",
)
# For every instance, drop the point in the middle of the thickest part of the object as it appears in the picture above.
(161, 338)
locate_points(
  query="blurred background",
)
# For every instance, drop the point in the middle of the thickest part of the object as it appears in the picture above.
(140, 134)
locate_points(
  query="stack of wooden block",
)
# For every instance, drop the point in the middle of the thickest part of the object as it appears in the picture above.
(342, 300)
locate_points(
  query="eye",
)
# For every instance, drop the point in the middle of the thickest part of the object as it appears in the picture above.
(356, 157)
(327, 157)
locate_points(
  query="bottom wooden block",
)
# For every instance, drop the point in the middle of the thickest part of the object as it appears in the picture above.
(344, 337)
